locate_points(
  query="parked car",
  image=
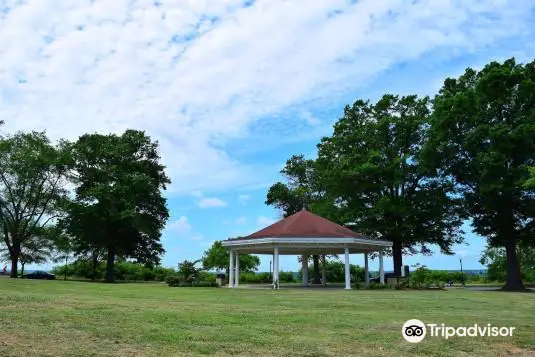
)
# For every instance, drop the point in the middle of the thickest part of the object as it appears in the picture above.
(40, 275)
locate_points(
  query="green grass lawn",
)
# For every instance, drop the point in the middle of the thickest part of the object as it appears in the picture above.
(62, 318)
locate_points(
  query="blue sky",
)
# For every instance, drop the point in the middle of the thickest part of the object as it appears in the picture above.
(231, 88)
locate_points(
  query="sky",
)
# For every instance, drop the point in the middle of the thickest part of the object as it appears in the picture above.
(231, 89)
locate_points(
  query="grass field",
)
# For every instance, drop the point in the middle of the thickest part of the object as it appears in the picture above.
(58, 318)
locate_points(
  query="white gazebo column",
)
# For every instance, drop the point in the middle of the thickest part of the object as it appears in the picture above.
(237, 275)
(276, 265)
(381, 268)
(304, 269)
(366, 271)
(231, 270)
(348, 277)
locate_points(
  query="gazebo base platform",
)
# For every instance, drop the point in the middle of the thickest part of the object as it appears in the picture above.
(339, 286)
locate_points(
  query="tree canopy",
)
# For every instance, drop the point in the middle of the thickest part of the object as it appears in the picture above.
(32, 190)
(483, 136)
(373, 172)
(119, 206)
(218, 257)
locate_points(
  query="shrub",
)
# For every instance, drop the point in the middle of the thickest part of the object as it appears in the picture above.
(373, 285)
(177, 281)
(286, 276)
(206, 276)
(173, 280)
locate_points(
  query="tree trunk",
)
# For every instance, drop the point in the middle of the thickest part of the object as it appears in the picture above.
(110, 266)
(316, 260)
(397, 257)
(514, 278)
(22, 268)
(94, 263)
(14, 265)
(15, 255)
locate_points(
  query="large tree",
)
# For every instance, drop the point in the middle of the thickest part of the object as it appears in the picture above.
(32, 189)
(373, 173)
(119, 206)
(483, 135)
(303, 189)
(217, 257)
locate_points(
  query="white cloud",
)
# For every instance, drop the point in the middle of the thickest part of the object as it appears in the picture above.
(243, 198)
(195, 83)
(211, 202)
(265, 221)
(240, 220)
(181, 228)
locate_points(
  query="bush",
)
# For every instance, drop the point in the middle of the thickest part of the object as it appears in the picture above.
(286, 276)
(177, 281)
(173, 280)
(161, 273)
(373, 285)
(206, 276)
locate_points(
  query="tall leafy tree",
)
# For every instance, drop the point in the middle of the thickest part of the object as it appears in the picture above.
(217, 257)
(32, 189)
(495, 259)
(303, 188)
(119, 206)
(373, 173)
(483, 135)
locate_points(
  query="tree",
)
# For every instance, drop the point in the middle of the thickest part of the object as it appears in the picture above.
(32, 193)
(303, 189)
(188, 272)
(530, 182)
(373, 174)
(483, 136)
(495, 260)
(119, 206)
(218, 257)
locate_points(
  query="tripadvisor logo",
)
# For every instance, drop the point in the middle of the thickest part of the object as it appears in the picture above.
(414, 331)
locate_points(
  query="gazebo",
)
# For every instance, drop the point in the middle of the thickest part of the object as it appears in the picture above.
(305, 234)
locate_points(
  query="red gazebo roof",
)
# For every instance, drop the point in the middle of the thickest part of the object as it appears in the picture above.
(304, 224)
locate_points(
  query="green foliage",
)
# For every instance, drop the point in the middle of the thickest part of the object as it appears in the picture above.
(188, 272)
(124, 270)
(530, 182)
(119, 205)
(372, 169)
(422, 277)
(189, 276)
(218, 257)
(255, 278)
(286, 277)
(483, 136)
(207, 276)
(496, 262)
(335, 272)
(377, 286)
(303, 187)
(32, 192)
